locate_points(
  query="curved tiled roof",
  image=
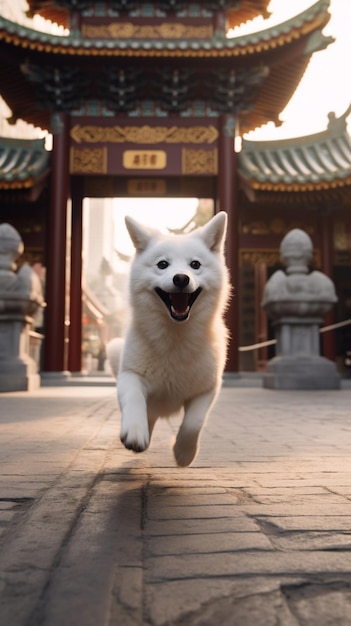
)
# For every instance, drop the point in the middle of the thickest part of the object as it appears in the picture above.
(313, 18)
(315, 162)
(23, 163)
(280, 53)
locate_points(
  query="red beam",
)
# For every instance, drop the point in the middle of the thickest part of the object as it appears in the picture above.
(54, 345)
(227, 196)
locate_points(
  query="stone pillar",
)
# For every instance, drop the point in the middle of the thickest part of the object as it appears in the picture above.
(328, 338)
(227, 196)
(20, 297)
(75, 327)
(54, 353)
(297, 301)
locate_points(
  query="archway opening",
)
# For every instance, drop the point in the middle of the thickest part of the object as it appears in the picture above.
(107, 254)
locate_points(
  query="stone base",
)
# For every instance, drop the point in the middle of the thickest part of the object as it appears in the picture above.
(18, 374)
(19, 382)
(55, 379)
(299, 372)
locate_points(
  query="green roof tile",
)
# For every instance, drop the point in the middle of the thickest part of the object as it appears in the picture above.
(23, 162)
(322, 157)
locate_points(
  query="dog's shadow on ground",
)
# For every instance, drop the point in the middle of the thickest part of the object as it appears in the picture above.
(140, 498)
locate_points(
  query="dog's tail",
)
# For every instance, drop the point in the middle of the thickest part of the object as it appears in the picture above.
(113, 351)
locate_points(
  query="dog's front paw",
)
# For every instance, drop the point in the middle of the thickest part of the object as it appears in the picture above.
(135, 437)
(185, 449)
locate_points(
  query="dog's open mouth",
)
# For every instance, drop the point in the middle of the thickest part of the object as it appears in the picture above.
(178, 303)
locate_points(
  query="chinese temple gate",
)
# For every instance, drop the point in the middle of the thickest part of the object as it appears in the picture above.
(146, 98)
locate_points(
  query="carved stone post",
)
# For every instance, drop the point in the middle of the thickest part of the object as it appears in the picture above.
(297, 301)
(20, 297)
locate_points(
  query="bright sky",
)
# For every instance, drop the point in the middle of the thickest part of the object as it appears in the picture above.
(326, 85)
(160, 213)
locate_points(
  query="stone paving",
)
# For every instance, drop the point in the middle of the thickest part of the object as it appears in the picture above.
(257, 532)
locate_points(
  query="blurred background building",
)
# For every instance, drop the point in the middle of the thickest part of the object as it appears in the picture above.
(102, 103)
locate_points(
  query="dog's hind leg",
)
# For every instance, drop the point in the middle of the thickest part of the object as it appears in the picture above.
(134, 422)
(196, 411)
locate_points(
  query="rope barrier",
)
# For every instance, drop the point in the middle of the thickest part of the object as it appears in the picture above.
(272, 342)
(256, 346)
(333, 326)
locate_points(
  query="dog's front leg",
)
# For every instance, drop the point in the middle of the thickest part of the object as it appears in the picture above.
(196, 411)
(134, 422)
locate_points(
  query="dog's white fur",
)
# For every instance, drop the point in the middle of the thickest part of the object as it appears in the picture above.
(171, 364)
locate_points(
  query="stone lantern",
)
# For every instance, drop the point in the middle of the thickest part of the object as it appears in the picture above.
(297, 300)
(20, 298)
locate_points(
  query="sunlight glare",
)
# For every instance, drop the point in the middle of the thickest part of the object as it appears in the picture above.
(325, 86)
(160, 213)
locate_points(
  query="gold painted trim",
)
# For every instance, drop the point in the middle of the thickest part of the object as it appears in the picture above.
(25, 184)
(236, 51)
(144, 134)
(300, 187)
(88, 160)
(128, 30)
(199, 161)
(146, 186)
(269, 256)
(144, 159)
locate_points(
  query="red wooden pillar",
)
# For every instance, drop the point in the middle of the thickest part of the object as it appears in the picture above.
(75, 309)
(54, 345)
(227, 196)
(328, 338)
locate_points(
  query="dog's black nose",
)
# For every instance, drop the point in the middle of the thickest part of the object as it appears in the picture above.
(181, 280)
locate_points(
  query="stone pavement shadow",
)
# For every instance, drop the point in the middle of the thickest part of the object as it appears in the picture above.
(201, 560)
(19, 407)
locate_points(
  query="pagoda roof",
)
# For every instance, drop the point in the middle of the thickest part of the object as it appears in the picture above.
(272, 63)
(117, 44)
(315, 162)
(24, 163)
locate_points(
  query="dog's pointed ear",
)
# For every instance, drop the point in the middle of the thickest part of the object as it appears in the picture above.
(139, 234)
(214, 232)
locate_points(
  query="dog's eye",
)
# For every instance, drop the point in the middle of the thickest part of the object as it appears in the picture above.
(162, 265)
(195, 265)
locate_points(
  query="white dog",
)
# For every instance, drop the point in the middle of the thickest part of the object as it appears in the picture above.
(175, 349)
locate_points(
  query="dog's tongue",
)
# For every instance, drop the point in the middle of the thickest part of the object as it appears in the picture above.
(179, 302)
